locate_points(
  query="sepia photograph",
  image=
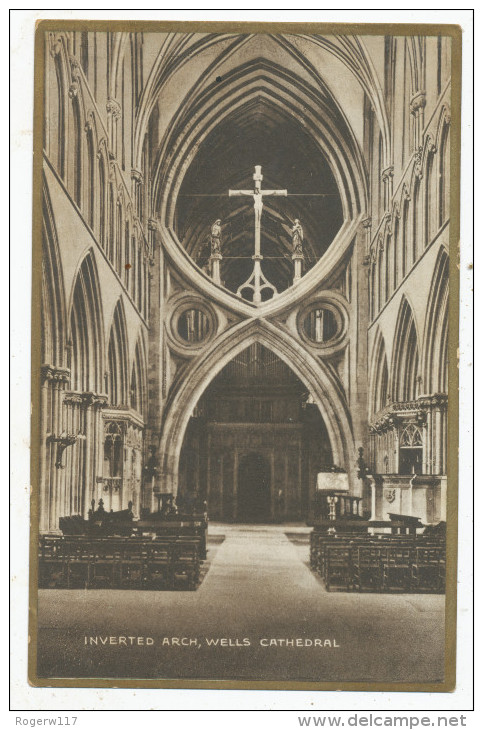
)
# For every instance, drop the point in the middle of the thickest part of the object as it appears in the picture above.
(244, 355)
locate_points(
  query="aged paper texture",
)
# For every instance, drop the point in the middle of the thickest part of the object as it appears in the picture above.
(245, 300)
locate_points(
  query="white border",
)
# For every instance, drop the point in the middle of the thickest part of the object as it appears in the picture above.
(28, 702)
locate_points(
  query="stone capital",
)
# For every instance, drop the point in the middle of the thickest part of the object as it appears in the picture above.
(49, 372)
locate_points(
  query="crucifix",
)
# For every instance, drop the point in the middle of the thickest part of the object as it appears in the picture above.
(257, 281)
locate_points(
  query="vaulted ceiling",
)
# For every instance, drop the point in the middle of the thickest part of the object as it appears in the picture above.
(258, 133)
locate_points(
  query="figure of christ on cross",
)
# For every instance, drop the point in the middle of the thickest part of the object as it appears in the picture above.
(259, 281)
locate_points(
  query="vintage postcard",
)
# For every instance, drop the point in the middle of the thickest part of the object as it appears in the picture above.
(245, 333)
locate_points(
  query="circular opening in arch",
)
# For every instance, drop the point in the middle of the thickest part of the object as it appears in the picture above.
(321, 325)
(193, 326)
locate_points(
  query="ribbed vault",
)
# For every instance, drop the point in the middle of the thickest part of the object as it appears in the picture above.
(258, 133)
(258, 114)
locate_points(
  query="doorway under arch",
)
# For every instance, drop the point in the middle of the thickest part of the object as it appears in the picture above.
(254, 489)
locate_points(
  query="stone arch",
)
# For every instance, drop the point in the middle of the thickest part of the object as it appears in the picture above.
(53, 312)
(117, 358)
(139, 382)
(379, 383)
(57, 109)
(326, 390)
(260, 79)
(435, 363)
(405, 358)
(86, 329)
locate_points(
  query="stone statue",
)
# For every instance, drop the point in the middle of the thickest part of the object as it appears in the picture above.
(297, 238)
(216, 238)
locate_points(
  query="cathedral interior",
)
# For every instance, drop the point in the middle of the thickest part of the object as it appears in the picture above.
(158, 374)
(244, 291)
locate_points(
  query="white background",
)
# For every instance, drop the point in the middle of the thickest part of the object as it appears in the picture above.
(182, 708)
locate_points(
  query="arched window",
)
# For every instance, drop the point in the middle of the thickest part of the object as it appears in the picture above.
(113, 447)
(396, 246)
(111, 231)
(127, 255)
(389, 266)
(444, 165)
(431, 201)
(91, 179)
(134, 268)
(140, 279)
(416, 232)
(410, 450)
(380, 279)
(119, 236)
(55, 121)
(405, 239)
(372, 293)
(102, 202)
(77, 158)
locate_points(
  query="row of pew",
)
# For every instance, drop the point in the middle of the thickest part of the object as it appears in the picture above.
(159, 563)
(383, 563)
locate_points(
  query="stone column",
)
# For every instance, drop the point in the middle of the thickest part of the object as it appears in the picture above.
(215, 259)
(297, 261)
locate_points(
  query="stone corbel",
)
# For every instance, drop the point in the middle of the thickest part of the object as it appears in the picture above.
(73, 89)
(417, 102)
(55, 45)
(152, 224)
(114, 108)
(387, 176)
(75, 67)
(137, 176)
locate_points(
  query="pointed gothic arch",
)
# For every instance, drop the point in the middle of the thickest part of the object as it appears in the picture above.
(379, 387)
(314, 373)
(117, 358)
(53, 310)
(86, 329)
(138, 390)
(405, 358)
(435, 364)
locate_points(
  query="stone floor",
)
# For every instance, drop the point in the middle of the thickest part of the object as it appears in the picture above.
(257, 599)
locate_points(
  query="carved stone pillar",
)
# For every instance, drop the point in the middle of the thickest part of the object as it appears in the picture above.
(53, 384)
(297, 262)
(92, 403)
(215, 260)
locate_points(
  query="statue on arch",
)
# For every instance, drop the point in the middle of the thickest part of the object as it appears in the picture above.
(216, 238)
(297, 238)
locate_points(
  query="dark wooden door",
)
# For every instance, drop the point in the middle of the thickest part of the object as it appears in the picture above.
(254, 489)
